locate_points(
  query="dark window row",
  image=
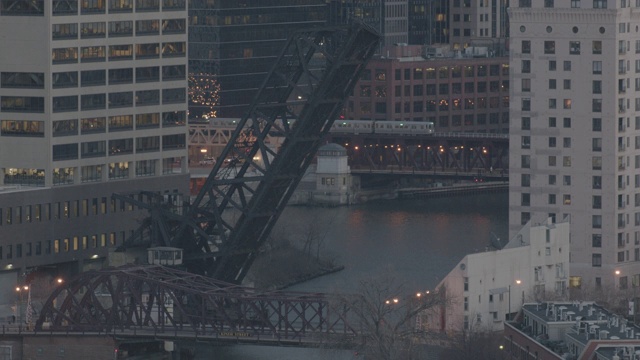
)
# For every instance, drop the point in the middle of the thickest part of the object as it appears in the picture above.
(440, 72)
(22, 80)
(119, 52)
(91, 149)
(22, 7)
(28, 104)
(90, 30)
(70, 7)
(98, 101)
(24, 214)
(112, 123)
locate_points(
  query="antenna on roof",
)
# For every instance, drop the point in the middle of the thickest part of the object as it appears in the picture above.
(495, 241)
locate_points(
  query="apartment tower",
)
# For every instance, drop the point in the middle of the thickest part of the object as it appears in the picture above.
(92, 102)
(575, 131)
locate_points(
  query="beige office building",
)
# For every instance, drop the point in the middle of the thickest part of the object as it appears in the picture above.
(575, 131)
(92, 102)
(478, 23)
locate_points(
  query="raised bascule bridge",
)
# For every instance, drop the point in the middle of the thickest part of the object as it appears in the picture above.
(222, 229)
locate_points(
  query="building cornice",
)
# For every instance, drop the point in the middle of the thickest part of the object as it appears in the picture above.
(569, 16)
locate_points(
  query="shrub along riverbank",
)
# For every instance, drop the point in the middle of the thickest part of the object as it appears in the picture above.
(285, 266)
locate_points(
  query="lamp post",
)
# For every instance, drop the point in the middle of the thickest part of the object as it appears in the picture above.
(20, 290)
(509, 316)
(634, 297)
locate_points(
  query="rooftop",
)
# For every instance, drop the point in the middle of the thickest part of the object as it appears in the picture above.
(596, 329)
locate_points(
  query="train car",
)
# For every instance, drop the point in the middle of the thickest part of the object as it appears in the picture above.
(352, 126)
(382, 127)
(224, 122)
(403, 127)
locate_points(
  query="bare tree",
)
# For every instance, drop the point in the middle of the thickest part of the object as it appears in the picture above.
(386, 314)
(314, 235)
(477, 342)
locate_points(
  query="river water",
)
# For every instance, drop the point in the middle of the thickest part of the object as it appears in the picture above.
(416, 241)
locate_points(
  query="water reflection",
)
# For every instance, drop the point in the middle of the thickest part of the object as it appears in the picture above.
(418, 240)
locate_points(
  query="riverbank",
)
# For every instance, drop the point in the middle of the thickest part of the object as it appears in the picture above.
(286, 266)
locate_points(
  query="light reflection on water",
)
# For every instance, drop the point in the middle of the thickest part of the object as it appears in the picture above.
(419, 241)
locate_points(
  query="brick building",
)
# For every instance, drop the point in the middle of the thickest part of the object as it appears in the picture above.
(454, 90)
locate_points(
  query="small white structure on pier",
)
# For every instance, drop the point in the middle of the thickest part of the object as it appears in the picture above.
(333, 176)
(164, 255)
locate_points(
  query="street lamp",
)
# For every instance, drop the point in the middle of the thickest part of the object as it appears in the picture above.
(20, 290)
(634, 297)
(517, 283)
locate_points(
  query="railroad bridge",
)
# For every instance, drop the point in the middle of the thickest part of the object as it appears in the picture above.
(441, 152)
(161, 302)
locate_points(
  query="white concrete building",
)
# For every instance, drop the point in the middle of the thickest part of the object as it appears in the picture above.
(333, 176)
(484, 288)
(575, 131)
(93, 101)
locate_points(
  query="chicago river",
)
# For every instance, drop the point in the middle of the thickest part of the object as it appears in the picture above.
(417, 241)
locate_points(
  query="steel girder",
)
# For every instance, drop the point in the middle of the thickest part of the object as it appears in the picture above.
(158, 299)
(425, 153)
(241, 200)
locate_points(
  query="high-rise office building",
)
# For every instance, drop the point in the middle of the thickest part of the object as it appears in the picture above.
(92, 102)
(428, 22)
(390, 17)
(478, 23)
(575, 131)
(232, 46)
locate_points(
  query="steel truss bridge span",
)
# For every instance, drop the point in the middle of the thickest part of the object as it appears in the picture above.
(171, 303)
(442, 152)
(311, 79)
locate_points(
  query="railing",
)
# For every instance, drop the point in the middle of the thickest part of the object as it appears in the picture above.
(472, 135)
(198, 334)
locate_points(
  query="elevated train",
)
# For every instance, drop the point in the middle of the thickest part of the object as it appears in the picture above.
(382, 127)
(358, 126)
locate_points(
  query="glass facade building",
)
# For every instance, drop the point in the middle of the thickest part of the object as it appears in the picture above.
(232, 46)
